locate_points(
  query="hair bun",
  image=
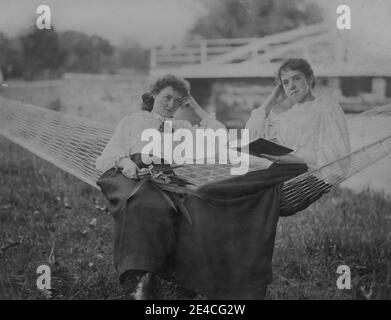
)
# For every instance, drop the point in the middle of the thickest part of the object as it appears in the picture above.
(148, 101)
(146, 96)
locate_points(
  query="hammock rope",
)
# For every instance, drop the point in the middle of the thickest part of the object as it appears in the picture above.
(73, 143)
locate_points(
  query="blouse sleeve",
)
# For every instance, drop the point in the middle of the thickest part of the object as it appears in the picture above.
(256, 124)
(329, 139)
(117, 147)
(208, 122)
(333, 135)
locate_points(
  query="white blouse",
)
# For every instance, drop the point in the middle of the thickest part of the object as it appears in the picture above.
(316, 130)
(126, 139)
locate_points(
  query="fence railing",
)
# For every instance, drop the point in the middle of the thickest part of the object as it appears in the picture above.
(195, 52)
(227, 50)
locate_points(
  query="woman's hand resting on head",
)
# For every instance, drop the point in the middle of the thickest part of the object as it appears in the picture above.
(278, 94)
(276, 97)
(193, 105)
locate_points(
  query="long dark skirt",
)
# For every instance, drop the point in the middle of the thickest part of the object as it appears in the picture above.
(225, 252)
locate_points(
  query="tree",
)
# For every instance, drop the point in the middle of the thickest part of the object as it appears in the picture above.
(253, 18)
(46, 53)
(10, 57)
(133, 55)
(85, 53)
(4, 52)
(42, 54)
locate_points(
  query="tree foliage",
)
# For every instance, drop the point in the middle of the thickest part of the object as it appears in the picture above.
(85, 53)
(41, 52)
(253, 18)
(132, 55)
(10, 56)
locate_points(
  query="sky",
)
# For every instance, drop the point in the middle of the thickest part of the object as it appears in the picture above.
(165, 22)
(151, 22)
(371, 25)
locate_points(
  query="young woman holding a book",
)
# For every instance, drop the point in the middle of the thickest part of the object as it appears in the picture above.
(314, 127)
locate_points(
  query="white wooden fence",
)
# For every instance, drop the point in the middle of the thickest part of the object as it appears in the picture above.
(195, 52)
(220, 51)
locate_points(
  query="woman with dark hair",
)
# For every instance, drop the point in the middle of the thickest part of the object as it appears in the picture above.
(167, 95)
(145, 225)
(314, 127)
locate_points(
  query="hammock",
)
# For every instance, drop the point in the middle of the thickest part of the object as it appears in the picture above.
(73, 143)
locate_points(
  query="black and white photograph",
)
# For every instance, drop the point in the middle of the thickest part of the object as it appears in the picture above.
(196, 150)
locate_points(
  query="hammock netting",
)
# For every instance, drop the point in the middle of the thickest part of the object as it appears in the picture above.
(73, 143)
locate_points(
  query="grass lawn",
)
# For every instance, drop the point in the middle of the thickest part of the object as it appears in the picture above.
(49, 217)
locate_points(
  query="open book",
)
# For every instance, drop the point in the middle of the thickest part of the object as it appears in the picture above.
(261, 145)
